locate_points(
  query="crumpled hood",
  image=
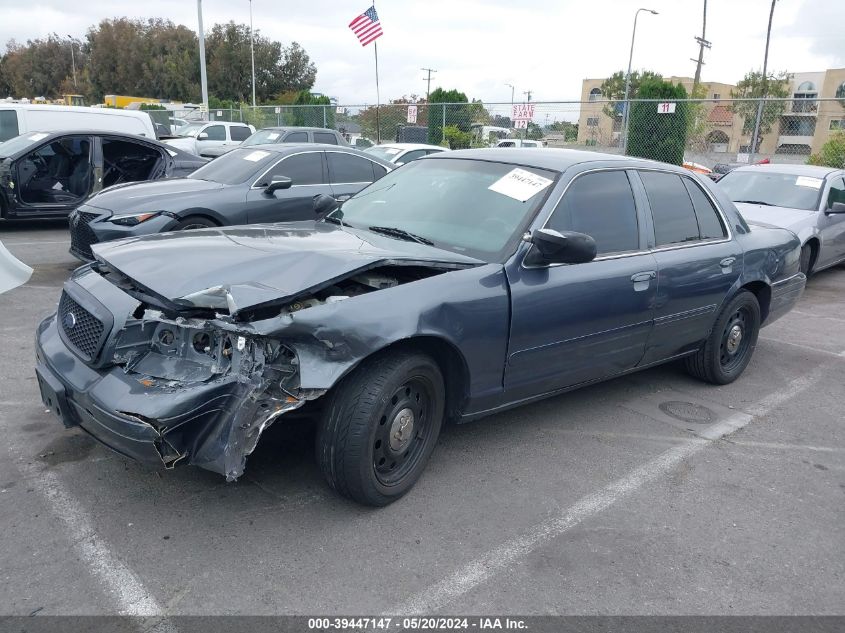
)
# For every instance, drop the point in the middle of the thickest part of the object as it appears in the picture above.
(784, 217)
(171, 194)
(246, 266)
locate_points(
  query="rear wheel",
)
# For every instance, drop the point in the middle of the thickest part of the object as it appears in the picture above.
(193, 222)
(806, 261)
(380, 427)
(728, 349)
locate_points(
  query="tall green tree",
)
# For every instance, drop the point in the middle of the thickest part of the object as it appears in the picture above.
(656, 135)
(752, 86)
(613, 89)
(40, 67)
(459, 115)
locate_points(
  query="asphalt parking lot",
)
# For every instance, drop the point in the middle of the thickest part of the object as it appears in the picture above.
(651, 494)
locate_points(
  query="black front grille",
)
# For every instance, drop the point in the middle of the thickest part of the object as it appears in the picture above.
(81, 235)
(81, 328)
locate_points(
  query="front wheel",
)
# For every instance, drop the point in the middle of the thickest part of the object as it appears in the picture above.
(380, 426)
(728, 349)
(806, 261)
(193, 222)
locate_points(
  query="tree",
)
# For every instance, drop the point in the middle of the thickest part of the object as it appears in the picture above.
(613, 89)
(752, 87)
(832, 153)
(40, 67)
(459, 115)
(567, 129)
(656, 135)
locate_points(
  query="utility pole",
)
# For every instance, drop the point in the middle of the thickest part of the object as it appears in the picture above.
(72, 62)
(702, 44)
(252, 52)
(763, 88)
(527, 94)
(428, 81)
(203, 77)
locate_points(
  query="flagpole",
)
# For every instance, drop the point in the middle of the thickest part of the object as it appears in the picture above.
(378, 95)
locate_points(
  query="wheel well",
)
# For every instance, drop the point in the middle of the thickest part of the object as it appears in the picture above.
(813, 243)
(198, 213)
(451, 363)
(763, 292)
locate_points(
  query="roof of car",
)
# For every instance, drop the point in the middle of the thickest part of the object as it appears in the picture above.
(292, 128)
(410, 146)
(293, 148)
(548, 158)
(792, 170)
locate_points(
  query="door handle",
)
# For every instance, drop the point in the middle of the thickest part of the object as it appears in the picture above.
(727, 262)
(644, 276)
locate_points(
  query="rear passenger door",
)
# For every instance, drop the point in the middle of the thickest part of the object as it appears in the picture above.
(697, 262)
(348, 173)
(308, 173)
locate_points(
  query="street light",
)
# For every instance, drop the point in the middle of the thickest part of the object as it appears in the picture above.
(628, 80)
(512, 90)
(762, 88)
(203, 76)
(73, 62)
(252, 52)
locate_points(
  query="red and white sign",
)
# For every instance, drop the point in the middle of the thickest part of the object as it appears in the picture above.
(522, 112)
(412, 114)
(666, 108)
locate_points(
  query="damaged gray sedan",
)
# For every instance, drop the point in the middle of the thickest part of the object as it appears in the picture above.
(456, 287)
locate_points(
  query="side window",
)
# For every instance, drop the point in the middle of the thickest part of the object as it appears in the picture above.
(600, 204)
(671, 208)
(709, 223)
(325, 137)
(215, 133)
(239, 132)
(346, 168)
(378, 171)
(302, 169)
(296, 137)
(412, 155)
(8, 124)
(837, 192)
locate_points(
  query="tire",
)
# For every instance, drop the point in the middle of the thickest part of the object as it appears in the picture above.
(728, 350)
(364, 448)
(193, 222)
(806, 259)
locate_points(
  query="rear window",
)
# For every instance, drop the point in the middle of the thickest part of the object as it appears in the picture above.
(325, 137)
(8, 124)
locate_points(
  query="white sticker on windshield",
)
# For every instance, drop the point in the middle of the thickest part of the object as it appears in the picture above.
(256, 156)
(806, 181)
(38, 136)
(520, 184)
(273, 136)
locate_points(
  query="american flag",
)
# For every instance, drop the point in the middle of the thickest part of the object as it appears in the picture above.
(366, 26)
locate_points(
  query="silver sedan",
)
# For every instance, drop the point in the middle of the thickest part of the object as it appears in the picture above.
(808, 200)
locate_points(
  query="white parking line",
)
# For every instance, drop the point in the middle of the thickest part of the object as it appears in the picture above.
(809, 348)
(500, 558)
(125, 589)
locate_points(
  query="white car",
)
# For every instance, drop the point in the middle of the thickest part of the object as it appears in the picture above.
(20, 118)
(198, 136)
(518, 142)
(401, 153)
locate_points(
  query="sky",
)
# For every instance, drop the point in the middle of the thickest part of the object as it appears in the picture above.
(478, 47)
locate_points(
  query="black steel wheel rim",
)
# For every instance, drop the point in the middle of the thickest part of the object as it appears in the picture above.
(404, 426)
(736, 339)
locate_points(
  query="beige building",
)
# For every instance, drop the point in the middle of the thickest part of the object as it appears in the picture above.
(804, 126)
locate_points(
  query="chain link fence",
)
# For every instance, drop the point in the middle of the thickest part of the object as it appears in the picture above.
(701, 133)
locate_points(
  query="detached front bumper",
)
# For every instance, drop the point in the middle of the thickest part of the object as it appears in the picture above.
(214, 425)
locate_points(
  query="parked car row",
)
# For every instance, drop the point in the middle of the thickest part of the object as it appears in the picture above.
(455, 286)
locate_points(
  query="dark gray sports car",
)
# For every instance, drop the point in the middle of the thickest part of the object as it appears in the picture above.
(460, 285)
(262, 183)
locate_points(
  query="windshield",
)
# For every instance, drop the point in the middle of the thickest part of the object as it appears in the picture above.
(236, 166)
(385, 152)
(471, 207)
(769, 188)
(15, 145)
(261, 137)
(191, 129)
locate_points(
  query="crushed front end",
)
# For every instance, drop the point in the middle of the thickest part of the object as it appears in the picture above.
(160, 387)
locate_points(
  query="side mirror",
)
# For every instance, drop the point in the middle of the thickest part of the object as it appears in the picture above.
(553, 247)
(202, 136)
(836, 208)
(278, 182)
(324, 204)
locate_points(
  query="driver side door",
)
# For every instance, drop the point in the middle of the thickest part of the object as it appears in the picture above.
(832, 225)
(307, 170)
(573, 323)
